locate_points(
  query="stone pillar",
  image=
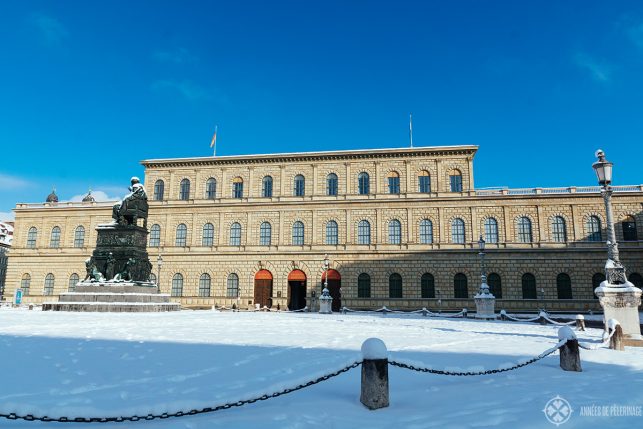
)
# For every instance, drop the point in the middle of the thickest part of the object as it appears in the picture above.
(374, 392)
(569, 352)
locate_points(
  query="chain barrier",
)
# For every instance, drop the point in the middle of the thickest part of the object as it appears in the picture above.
(423, 311)
(136, 418)
(596, 346)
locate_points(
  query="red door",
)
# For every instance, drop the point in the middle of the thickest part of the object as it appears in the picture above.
(263, 288)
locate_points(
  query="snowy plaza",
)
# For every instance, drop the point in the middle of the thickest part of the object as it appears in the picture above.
(107, 364)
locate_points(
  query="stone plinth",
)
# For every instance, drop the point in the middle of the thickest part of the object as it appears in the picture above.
(485, 306)
(325, 302)
(119, 243)
(621, 302)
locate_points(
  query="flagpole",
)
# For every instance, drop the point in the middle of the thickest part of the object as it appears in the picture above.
(411, 128)
(213, 144)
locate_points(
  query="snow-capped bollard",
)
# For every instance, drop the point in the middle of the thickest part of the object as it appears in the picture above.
(569, 352)
(374, 393)
(503, 315)
(344, 310)
(616, 342)
(424, 311)
(542, 317)
(465, 312)
(580, 322)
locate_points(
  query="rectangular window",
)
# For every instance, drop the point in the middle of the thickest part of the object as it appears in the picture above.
(237, 190)
(456, 183)
(393, 185)
(424, 184)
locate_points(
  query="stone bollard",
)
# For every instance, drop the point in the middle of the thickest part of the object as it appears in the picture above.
(503, 315)
(425, 312)
(465, 312)
(374, 393)
(384, 310)
(542, 317)
(569, 352)
(343, 310)
(580, 322)
(30, 306)
(616, 342)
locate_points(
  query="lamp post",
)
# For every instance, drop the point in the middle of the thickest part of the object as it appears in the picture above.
(325, 300)
(159, 264)
(485, 301)
(618, 297)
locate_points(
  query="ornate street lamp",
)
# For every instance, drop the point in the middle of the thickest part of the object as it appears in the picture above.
(485, 301)
(325, 300)
(159, 264)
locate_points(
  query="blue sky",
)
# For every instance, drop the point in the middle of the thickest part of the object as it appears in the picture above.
(88, 89)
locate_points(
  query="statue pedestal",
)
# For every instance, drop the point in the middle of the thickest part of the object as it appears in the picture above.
(621, 302)
(116, 245)
(325, 302)
(485, 306)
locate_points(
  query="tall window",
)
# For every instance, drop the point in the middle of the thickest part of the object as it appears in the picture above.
(181, 235)
(363, 183)
(211, 188)
(265, 234)
(331, 184)
(364, 232)
(331, 232)
(593, 228)
(529, 286)
(25, 284)
(393, 182)
(629, 229)
(237, 187)
(457, 231)
(427, 285)
(460, 289)
(155, 236)
(266, 187)
(31, 237)
(394, 232)
(299, 186)
(524, 230)
(495, 285)
(364, 286)
(424, 182)
(298, 234)
(204, 284)
(184, 190)
(426, 231)
(232, 290)
(491, 230)
(54, 241)
(558, 229)
(73, 279)
(235, 234)
(455, 179)
(49, 284)
(564, 286)
(159, 190)
(207, 238)
(597, 279)
(79, 236)
(395, 286)
(177, 285)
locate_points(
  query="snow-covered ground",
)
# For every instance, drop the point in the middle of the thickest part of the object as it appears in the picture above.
(101, 364)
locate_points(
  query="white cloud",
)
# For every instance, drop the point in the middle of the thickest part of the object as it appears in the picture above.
(7, 216)
(186, 88)
(177, 56)
(598, 70)
(8, 182)
(98, 196)
(50, 29)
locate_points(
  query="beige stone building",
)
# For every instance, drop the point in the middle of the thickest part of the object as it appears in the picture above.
(400, 228)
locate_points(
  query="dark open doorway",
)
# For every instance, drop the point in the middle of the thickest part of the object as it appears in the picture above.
(296, 290)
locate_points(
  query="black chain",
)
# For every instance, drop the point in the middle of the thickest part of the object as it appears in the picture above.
(31, 417)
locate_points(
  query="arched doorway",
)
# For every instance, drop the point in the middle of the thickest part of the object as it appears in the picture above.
(334, 283)
(296, 290)
(263, 288)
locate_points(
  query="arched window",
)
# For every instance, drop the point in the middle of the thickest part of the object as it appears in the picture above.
(25, 284)
(460, 289)
(31, 237)
(597, 279)
(207, 238)
(298, 233)
(426, 231)
(558, 229)
(152, 278)
(49, 284)
(54, 241)
(299, 186)
(455, 180)
(159, 190)
(363, 286)
(364, 232)
(235, 234)
(524, 230)
(232, 290)
(331, 184)
(495, 285)
(79, 236)
(394, 232)
(593, 227)
(427, 285)
(491, 230)
(363, 183)
(204, 285)
(529, 286)
(155, 235)
(177, 285)
(393, 182)
(211, 188)
(331, 232)
(564, 286)
(424, 182)
(237, 187)
(266, 187)
(457, 231)
(73, 279)
(265, 234)
(395, 286)
(181, 235)
(629, 229)
(184, 190)
(636, 279)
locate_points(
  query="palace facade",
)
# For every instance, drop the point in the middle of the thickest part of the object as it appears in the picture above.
(400, 228)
